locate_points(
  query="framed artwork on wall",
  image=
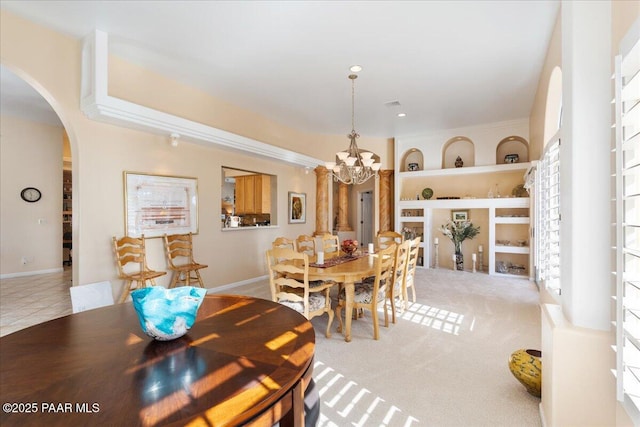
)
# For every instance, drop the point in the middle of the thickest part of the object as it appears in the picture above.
(297, 208)
(159, 204)
(457, 216)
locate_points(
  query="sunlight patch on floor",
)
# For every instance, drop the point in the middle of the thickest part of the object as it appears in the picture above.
(433, 317)
(343, 399)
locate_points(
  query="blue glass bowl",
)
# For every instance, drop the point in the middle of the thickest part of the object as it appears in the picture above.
(167, 314)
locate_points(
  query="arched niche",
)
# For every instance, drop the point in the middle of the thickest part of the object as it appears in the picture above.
(512, 149)
(412, 160)
(459, 146)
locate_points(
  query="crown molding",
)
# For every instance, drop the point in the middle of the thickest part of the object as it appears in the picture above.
(97, 104)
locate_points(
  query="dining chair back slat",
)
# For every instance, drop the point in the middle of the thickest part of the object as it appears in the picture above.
(282, 242)
(306, 244)
(395, 291)
(179, 253)
(369, 295)
(131, 261)
(289, 285)
(386, 238)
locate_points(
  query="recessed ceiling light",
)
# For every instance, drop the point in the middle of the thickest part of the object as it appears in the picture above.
(355, 68)
(402, 114)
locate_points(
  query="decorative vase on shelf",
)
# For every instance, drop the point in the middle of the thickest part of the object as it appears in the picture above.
(459, 162)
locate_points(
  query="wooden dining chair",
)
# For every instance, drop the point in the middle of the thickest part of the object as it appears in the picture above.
(386, 238)
(306, 244)
(179, 251)
(282, 242)
(369, 296)
(330, 245)
(290, 286)
(395, 292)
(131, 260)
(412, 264)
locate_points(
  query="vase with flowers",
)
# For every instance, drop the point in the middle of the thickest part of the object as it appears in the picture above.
(458, 232)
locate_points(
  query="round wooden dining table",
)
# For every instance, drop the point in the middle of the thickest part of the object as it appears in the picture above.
(246, 361)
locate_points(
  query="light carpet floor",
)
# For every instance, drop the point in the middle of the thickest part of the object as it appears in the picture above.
(444, 363)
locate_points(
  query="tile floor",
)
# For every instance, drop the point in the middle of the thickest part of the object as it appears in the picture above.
(29, 300)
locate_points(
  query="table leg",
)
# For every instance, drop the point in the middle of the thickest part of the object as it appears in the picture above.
(349, 292)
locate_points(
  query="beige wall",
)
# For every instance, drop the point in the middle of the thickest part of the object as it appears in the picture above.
(101, 152)
(30, 156)
(133, 83)
(537, 118)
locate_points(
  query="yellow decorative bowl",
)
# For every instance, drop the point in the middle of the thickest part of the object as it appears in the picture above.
(526, 366)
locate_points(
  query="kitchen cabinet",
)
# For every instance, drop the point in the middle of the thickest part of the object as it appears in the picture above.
(253, 194)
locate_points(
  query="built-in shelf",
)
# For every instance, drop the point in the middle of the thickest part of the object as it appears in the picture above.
(512, 220)
(507, 167)
(500, 202)
(511, 249)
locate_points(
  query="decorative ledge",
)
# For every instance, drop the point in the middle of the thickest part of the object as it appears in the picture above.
(96, 104)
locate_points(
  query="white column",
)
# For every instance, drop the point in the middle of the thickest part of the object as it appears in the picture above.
(586, 163)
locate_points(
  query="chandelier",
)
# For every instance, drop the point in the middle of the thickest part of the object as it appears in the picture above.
(353, 166)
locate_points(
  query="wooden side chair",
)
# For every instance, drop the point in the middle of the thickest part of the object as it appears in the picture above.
(369, 295)
(282, 242)
(306, 244)
(330, 245)
(386, 238)
(179, 251)
(297, 293)
(131, 260)
(412, 263)
(396, 289)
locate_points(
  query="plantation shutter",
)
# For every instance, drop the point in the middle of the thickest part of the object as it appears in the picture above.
(627, 222)
(548, 217)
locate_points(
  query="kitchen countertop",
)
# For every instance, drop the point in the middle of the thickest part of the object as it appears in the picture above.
(249, 227)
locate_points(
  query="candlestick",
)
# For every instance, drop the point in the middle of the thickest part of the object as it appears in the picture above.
(435, 261)
(473, 259)
(480, 248)
(435, 241)
(480, 263)
(453, 257)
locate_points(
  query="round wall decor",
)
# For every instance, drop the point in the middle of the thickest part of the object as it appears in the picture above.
(31, 194)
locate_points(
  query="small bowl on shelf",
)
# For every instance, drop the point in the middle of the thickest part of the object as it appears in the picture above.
(503, 242)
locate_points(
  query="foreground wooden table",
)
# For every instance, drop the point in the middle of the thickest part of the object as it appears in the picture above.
(348, 274)
(245, 360)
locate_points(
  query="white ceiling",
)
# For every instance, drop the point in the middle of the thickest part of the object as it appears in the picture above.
(448, 63)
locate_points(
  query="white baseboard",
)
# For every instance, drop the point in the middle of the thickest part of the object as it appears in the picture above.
(31, 273)
(226, 287)
(542, 419)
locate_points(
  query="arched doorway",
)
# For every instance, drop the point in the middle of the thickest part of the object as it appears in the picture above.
(36, 153)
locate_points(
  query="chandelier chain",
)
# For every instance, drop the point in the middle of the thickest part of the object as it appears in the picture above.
(353, 166)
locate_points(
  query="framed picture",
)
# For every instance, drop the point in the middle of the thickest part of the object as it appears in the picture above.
(158, 204)
(297, 208)
(459, 216)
